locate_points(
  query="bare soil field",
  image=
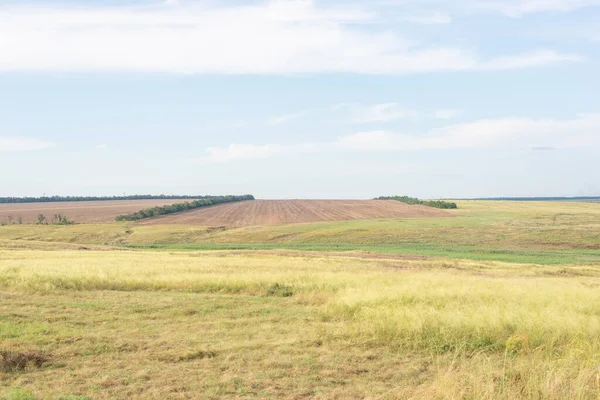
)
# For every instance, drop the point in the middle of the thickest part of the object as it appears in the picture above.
(279, 212)
(78, 211)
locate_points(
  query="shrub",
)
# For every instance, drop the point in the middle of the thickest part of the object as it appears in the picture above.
(415, 201)
(278, 290)
(41, 219)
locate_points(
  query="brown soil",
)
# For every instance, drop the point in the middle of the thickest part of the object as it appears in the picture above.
(278, 212)
(78, 211)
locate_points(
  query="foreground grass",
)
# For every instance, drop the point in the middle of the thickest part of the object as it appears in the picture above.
(147, 324)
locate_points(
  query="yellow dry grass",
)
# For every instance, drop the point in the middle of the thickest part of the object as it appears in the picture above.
(143, 324)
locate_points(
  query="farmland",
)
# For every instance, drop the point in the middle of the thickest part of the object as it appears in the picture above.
(499, 301)
(77, 211)
(278, 212)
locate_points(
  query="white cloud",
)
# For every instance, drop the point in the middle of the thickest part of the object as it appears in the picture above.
(277, 37)
(383, 112)
(10, 144)
(434, 18)
(236, 152)
(101, 146)
(240, 124)
(534, 59)
(448, 114)
(509, 8)
(227, 125)
(503, 133)
(240, 152)
(519, 8)
(282, 119)
(492, 133)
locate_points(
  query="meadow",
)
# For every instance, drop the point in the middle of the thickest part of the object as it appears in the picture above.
(380, 309)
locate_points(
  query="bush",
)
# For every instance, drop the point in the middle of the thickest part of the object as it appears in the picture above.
(415, 201)
(278, 290)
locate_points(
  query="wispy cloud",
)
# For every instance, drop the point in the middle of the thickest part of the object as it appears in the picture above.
(273, 38)
(237, 152)
(240, 124)
(282, 119)
(227, 125)
(519, 8)
(503, 133)
(433, 18)
(10, 144)
(448, 114)
(384, 112)
(543, 148)
(491, 133)
(509, 8)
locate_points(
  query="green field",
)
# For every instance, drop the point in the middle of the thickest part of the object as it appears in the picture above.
(501, 301)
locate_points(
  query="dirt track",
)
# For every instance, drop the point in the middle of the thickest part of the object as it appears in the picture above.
(276, 212)
(78, 211)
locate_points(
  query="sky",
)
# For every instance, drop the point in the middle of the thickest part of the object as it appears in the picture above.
(299, 98)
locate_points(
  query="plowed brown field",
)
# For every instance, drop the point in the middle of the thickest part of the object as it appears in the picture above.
(276, 212)
(78, 211)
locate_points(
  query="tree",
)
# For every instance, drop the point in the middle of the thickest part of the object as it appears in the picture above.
(41, 219)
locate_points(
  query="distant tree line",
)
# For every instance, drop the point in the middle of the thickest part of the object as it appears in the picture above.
(413, 200)
(52, 199)
(178, 207)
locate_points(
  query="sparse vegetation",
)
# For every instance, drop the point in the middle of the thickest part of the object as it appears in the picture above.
(414, 201)
(57, 219)
(179, 207)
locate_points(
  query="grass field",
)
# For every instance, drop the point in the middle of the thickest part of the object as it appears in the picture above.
(523, 232)
(141, 324)
(501, 302)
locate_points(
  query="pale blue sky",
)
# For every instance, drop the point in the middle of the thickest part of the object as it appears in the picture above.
(300, 99)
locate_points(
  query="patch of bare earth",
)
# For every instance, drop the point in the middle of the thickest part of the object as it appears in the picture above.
(78, 211)
(279, 212)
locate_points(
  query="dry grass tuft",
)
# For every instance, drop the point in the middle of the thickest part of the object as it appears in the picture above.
(198, 355)
(16, 361)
